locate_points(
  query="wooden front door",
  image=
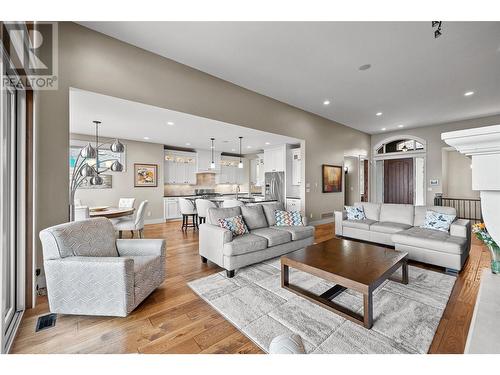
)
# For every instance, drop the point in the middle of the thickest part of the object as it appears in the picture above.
(398, 181)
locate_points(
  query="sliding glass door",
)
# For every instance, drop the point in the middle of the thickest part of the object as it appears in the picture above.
(12, 102)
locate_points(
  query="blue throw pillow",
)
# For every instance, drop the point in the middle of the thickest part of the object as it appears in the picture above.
(355, 213)
(437, 221)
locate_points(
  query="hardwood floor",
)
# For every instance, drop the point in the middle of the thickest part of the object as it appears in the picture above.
(174, 319)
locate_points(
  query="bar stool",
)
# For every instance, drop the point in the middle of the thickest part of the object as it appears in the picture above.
(188, 210)
(202, 205)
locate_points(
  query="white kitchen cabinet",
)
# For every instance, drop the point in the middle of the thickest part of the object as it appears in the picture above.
(205, 159)
(293, 204)
(275, 159)
(257, 171)
(229, 171)
(171, 209)
(180, 167)
(296, 166)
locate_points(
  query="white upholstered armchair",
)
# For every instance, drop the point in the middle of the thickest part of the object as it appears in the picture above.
(90, 272)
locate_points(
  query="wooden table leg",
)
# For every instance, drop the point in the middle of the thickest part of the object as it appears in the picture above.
(404, 271)
(368, 309)
(284, 275)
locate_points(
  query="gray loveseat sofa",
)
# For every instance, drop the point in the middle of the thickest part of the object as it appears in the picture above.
(399, 225)
(265, 240)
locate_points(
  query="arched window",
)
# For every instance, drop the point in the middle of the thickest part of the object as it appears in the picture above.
(400, 145)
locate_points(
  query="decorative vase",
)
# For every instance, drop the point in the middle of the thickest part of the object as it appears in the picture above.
(495, 257)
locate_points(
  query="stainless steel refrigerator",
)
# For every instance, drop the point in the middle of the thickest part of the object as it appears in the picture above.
(275, 186)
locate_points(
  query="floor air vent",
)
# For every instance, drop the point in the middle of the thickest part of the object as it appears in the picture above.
(46, 321)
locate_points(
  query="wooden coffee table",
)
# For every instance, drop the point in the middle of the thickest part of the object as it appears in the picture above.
(349, 264)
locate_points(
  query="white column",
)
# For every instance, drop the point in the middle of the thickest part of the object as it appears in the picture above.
(483, 146)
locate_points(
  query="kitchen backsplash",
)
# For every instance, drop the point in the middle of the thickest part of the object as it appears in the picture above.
(172, 190)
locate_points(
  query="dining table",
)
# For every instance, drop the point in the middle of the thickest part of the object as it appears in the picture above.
(111, 212)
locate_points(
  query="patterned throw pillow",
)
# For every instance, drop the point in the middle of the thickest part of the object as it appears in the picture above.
(437, 221)
(288, 218)
(355, 212)
(235, 224)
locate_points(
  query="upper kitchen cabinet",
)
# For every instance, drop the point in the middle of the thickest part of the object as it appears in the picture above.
(229, 171)
(205, 159)
(275, 159)
(257, 170)
(296, 165)
(180, 167)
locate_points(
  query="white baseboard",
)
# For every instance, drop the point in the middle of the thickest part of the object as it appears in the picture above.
(154, 221)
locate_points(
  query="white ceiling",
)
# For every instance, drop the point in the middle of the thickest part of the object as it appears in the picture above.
(131, 120)
(415, 80)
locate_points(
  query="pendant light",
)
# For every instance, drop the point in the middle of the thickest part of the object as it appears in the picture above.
(212, 164)
(240, 164)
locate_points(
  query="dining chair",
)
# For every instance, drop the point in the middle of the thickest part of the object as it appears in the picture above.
(202, 205)
(125, 203)
(232, 203)
(81, 213)
(134, 224)
(188, 209)
(77, 202)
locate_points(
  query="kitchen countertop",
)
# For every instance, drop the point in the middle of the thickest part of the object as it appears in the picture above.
(219, 194)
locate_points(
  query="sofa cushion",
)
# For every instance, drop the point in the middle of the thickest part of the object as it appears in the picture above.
(438, 221)
(269, 209)
(235, 224)
(247, 243)
(397, 213)
(431, 240)
(372, 210)
(420, 212)
(298, 232)
(214, 214)
(388, 227)
(254, 216)
(355, 212)
(358, 224)
(273, 236)
(287, 218)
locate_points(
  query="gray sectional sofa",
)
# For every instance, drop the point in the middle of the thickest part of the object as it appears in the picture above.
(399, 225)
(265, 240)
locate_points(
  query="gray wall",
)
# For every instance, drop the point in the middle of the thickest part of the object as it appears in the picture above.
(123, 182)
(432, 134)
(95, 62)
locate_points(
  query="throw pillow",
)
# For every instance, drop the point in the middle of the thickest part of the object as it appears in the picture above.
(438, 221)
(235, 224)
(355, 213)
(288, 218)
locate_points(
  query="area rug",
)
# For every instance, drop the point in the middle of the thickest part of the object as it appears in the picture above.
(405, 316)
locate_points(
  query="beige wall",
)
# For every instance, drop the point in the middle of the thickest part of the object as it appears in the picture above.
(95, 62)
(432, 134)
(457, 176)
(123, 182)
(351, 182)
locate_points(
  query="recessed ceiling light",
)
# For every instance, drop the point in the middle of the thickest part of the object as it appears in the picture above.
(378, 114)
(188, 144)
(469, 93)
(383, 129)
(326, 102)
(249, 146)
(268, 143)
(400, 125)
(146, 138)
(170, 123)
(365, 67)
